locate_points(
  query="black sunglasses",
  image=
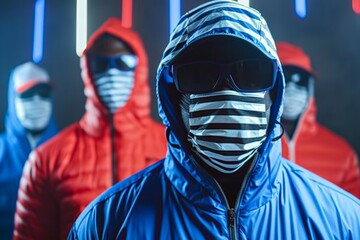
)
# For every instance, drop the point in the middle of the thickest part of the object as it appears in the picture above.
(123, 62)
(250, 75)
(43, 90)
(296, 75)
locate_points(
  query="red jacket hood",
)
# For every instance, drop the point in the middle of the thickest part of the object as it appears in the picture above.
(294, 56)
(135, 114)
(291, 55)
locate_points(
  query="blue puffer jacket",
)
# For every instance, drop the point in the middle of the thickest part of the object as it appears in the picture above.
(176, 199)
(14, 151)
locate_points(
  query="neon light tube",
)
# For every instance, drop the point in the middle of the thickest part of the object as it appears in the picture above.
(300, 8)
(356, 6)
(127, 13)
(244, 2)
(81, 26)
(175, 13)
(38, 44)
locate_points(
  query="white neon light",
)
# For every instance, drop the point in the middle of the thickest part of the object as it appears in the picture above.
(81, 26)
(175, 13)
(245, 2)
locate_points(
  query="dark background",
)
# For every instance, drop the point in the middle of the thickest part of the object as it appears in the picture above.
(330, 34)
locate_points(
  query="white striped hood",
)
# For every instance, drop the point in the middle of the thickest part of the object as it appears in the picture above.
(220, 18)
(223, 17)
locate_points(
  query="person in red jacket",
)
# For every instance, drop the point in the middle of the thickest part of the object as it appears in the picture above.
(306, 142)
(114, 139)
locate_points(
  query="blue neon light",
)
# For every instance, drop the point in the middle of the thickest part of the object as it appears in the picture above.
(175, 13)
(38, 45)
(300, 8)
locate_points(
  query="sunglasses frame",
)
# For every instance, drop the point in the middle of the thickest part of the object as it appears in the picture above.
(111, 61)
(42, 90)
(224, 75)
(305, 76)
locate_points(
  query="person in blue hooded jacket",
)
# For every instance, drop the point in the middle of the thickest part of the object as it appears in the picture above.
(29, 122)
(220, 90)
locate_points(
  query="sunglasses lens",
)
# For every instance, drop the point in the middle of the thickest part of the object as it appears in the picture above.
(98, 65)
(247, 75)
(254, 75)
(125, 62)
(43, 90)
(296, 75)
(196, 77)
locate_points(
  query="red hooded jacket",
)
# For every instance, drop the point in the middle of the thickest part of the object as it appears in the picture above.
(68, 172)
(313, 146)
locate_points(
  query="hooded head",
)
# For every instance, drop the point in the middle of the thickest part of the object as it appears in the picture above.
(299, 78)
(114, 71)
(30, 104)
(222, 33)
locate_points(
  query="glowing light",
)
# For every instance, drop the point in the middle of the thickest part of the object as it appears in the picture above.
(245, 2)
(38, 44)
(356, 6)
(127, 13)
(175, 13)
(81, 26)
(300, 8)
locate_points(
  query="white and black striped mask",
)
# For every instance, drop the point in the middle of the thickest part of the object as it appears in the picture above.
(114, 87)
(34, 112)
(295, 101)
(227, 127)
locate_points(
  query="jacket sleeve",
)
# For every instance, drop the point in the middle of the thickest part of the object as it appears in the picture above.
(351, 180)
(36, 214)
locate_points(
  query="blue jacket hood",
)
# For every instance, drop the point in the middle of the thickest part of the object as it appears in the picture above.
(205, 21)
(16, 133)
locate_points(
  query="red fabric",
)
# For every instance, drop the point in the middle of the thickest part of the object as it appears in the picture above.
(294, 56)
(64, 175)
(313, 146)
(323, 152)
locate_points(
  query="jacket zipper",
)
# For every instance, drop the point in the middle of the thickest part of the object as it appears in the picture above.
(113, 158)
(231, 212)
(232, 223)
(292, 151)
(293, 140)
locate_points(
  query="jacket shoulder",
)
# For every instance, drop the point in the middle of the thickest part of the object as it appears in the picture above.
(115, 203)
(65, 137)
(331, 138)
(328, 200)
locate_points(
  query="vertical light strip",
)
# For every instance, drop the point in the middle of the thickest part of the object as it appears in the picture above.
(81, 26)
(175, 13)
(127, 13)
(356, 6)
(38, 44)
(244, 2)
(300, 8)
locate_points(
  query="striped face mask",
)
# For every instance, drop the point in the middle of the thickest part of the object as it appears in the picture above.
(114, 87)
(226, 128)
(34, 112)
(295, 101)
